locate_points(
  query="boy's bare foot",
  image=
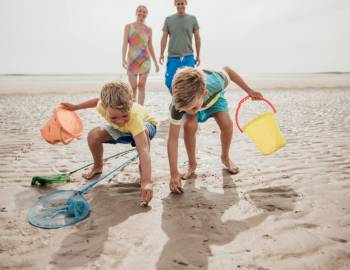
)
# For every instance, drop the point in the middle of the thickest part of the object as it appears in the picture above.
(93, 173)
(230, 166)
(190, 171)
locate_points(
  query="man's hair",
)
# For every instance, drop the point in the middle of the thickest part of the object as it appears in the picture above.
(188, 84)
(116, 95)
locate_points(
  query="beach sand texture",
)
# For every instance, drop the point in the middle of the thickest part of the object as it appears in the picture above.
(289, 210)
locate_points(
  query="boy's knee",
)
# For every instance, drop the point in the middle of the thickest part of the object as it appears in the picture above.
(190, 126)
(227, 125)
(96, 135)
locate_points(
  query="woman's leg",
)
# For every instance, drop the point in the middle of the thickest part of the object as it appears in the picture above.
(142, 88)
(133, 84)
(96, 137)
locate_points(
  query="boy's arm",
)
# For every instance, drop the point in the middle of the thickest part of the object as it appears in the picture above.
(173, 139)
(92, 103)
(142, 147)
(242, 84)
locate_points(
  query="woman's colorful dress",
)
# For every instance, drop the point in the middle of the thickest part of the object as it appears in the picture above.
(139, 61)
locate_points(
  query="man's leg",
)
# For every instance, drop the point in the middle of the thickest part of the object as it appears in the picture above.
(172, 65)
(190, 128)
(226, 126)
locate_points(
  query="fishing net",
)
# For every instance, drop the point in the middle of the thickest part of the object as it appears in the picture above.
(58, 209)
(66, 207)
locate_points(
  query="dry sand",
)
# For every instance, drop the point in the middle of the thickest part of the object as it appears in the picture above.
(290, 210)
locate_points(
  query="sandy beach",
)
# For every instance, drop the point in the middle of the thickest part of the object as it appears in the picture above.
(286, 211)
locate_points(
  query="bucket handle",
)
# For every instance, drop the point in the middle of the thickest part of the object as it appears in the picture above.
(244, 100)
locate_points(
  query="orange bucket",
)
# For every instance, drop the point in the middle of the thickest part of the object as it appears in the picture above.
(62, 127)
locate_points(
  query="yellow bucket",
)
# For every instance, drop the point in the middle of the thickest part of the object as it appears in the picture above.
(263, 130)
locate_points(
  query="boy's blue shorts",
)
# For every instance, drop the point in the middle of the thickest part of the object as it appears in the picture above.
(173, 64)
(127, 138)
(219, 106)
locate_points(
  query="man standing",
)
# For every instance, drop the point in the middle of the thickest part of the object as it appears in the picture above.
(180, 27)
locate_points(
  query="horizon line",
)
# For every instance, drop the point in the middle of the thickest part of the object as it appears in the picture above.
(121, 74)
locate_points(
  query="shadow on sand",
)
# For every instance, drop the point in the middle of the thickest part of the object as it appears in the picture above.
(193, 221)
(109, 206)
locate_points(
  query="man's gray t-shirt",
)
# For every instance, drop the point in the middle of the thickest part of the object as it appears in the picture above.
(180, 29)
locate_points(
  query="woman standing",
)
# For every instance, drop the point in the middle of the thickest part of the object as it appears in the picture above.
(138, 42)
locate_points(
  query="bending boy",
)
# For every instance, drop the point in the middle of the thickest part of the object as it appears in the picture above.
(128, 122)
(197, 96)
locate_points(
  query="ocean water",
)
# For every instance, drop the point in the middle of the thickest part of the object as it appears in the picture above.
(263, 81)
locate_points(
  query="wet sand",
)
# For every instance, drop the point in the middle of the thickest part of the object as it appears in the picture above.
(289, 210)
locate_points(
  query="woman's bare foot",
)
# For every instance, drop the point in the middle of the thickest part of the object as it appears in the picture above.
(95, 171)
(230, 166)
(190, 171)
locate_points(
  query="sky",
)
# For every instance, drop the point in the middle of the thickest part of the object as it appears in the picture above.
(256, 36)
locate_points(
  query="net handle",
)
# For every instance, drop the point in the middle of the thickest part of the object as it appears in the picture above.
(244, 100)
(120, 154)
(121, 166)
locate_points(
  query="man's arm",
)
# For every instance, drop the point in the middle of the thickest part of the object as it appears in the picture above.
(173, 140)
(163, 43)
(242, 84)
(142, 147)
(197, 41)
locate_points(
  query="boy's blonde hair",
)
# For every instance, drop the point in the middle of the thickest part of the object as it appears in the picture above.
(188, 84)
(116, 95)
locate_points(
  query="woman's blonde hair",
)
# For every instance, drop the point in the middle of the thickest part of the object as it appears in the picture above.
(141, 6)
(177, 0)
(116, 95)
(188, 84)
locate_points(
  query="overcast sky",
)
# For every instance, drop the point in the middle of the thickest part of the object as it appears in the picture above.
(257, 36)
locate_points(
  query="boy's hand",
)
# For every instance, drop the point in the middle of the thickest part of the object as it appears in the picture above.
(255, 95)
(175, 184)
(146, 193)
(68, 106)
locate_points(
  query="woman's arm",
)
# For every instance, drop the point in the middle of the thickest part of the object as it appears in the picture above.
(125, 46)
(151, 50)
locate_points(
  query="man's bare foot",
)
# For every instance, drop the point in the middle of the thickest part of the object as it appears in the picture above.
(93, 173)
(230, 166)
(190, 171)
